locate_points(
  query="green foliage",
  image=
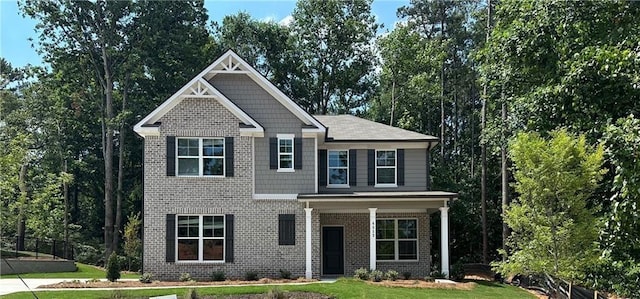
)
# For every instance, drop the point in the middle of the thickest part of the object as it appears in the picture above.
(361, 273)
(276, 293)
(376, 275)
(185, 277)
(146, 277)
(457, 271)
(406, 275)
(392, 275)
(113, 267)
(436, 274)
(218, 276)
(191, 294)
(132, 241)
(553, 229)
(251, 276)
(285, 274)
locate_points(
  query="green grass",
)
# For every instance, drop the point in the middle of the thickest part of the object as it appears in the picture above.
(343, 288)
(84, 271)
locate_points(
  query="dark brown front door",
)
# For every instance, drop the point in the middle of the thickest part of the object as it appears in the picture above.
(332, 250)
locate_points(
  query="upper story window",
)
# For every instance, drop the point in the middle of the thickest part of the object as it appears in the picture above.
(385, 167)
(200, 238)
(285, 152)
(200, 156)
(338, 168)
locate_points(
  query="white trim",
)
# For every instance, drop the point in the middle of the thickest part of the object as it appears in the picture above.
(253, 167)
(444, 240)
(315, 161)
(364, 211)
(395, 168)
(291, 137)
(329, 185)
(201, 239)
(275, 196)
(396, 240)
(371, 145)
(344, 248)
(385, 186)
(201, 157)
(372, 238)
(307, 233)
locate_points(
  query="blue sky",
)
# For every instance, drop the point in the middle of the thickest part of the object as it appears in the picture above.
(15, 30)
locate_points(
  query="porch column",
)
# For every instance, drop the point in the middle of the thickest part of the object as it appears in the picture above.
(372, 238)
(444, 240)
(308, 273)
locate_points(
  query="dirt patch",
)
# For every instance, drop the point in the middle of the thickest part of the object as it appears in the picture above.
(421, 284)
(75, 284)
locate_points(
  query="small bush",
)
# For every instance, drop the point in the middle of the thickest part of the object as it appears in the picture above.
(275, 293)
(146, 277)
(88, 254)
(406, 275)
(457, 271)
(191, 294)
(93, 280)
(113, 267)
(285, 274)
(392, 275)
(218, 276)
(185, 277)
(251, 276)
(361, 273)
(376, 275)
(429, 279)
(437, 274)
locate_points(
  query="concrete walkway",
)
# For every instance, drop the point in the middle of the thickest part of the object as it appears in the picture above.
(14, 285)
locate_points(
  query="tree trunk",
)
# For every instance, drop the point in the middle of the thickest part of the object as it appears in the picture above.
(393, 100)
(442, 86)
(108, 157)
(120, 191)
(65, 192)
(24, 193)
(505, 186)
(483, 154)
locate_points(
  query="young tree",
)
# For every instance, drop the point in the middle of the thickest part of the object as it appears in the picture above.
(553, 229)
(132, 240)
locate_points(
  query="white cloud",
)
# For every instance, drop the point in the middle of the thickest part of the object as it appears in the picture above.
(286, 21)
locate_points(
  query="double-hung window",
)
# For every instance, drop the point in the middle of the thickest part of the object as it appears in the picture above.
(385, 167)
(338, 166)
(397, 239)
(200, 238)
(200, 156)
(285, 152)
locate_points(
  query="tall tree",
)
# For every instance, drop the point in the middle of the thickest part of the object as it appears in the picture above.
(334, 60)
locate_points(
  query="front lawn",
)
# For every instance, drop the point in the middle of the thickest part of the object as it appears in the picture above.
(84, 271)
(343, 288)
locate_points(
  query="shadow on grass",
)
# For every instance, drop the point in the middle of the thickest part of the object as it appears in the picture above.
(493, 284)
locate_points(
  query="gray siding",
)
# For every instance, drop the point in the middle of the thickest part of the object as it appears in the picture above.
(275, 119)
(415, 174)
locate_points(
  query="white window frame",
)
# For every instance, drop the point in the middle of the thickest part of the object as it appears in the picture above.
(396, 240)
(329, 185)
(201, 239)
(201, 157)
(292, 154)
(395, 168)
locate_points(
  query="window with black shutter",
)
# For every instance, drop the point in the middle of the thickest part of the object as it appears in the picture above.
(287, 229)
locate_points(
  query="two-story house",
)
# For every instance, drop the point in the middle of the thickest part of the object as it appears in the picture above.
(239, 178)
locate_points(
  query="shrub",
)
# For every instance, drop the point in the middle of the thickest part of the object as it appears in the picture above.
(185, 277)
(146, 277)
(275, 293)
(437, 274)
(406, 275)
(251, 276)
(457, 271)
(361, 273)
(392, 275)
(376, 275)
(218, 276)
(191, 294)
(285, 274)
(429, 279)
(88, 254)
(93, 280)
(113, 267)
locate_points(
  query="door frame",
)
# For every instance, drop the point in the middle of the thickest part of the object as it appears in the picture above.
(344, 251)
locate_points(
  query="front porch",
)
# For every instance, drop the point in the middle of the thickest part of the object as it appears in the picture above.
(374, 230)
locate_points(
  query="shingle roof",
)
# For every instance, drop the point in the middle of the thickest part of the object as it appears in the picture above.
(352, 128)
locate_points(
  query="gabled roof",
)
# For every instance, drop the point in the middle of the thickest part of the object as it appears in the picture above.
(199, 87)
(349, 128)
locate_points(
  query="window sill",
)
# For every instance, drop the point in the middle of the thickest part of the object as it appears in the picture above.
(398, 261)
(385, 186)
(286, 170)
(198, 262)
(338, 186)
(200, 176)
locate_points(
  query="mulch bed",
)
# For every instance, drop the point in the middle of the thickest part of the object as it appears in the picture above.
(421, 284)
(73, 284)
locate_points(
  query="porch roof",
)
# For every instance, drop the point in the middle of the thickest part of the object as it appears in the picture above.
(383, 200)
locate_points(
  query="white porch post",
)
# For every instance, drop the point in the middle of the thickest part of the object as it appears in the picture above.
(444, 240)
(308, 273)
(372, 238)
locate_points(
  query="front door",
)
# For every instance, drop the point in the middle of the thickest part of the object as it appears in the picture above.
(332, 250)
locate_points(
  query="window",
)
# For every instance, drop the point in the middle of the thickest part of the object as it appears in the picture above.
(338, 168)
(287, 229)
(386, 168)
(285, 152)
(201, 156)
(397, 239)
(200, 238)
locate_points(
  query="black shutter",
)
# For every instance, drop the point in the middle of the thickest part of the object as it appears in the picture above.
(400, 166)
(171, 238)
(371, 167)
(228, 156)
(352, 167)
(228, 238)
(322, 167)
(287, 229)
(297, 153)
(428, 170)
(273, 153)
(171, 155)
